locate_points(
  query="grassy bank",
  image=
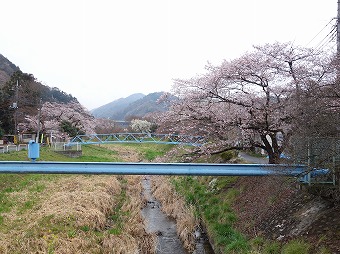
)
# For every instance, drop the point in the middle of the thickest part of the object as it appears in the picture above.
(75, 213)
(212, 198)
(101, 214)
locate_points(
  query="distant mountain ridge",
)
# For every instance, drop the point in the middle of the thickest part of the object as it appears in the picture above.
(137, 105)
(108, 110)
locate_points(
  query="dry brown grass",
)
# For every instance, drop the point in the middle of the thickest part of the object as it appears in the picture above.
(71, 216)
(130, 154)
(174, 205)
(88, 199)
(134, 239)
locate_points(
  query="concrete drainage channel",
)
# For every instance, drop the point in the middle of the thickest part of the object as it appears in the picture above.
(165, 227)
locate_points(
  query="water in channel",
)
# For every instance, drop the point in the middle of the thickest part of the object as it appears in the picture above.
(165, 227)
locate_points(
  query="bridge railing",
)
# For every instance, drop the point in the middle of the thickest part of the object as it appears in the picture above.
(138, 138)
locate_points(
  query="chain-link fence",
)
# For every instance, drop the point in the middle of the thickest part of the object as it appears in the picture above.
(319, 153)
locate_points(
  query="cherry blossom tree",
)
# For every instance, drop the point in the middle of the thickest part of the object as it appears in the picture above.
(62, 117)
(139, 125)
(252, 101)
(105, 126)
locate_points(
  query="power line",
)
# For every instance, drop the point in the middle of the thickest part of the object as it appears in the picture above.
(320, 31)
(327, 39)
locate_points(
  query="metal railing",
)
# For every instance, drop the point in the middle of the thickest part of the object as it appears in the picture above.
(63, 146)
(12, 148)
(138, 138)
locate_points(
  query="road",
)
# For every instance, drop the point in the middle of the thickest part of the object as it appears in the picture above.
(252, 159)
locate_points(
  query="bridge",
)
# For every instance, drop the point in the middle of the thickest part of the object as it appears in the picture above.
(113, 138)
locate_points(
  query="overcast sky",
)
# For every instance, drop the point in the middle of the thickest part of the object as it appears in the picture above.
(103, 50)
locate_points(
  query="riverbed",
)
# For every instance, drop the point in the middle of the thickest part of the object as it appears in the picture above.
(158, 222)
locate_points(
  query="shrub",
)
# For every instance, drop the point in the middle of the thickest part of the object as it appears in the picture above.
(228, 155)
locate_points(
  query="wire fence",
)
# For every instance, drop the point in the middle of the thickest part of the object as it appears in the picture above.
(62, 146)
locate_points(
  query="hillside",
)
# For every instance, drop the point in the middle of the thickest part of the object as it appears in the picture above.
(29, 88)
(7, 68)
(26, 93)
(281, 211)
(124, 108)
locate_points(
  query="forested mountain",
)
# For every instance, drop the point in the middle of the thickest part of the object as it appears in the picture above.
(21, 95)
(132, 106)
(148, 104)
(116, 106)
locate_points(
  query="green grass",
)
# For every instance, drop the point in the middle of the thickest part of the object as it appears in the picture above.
(20, 195)
(117, 216)
(10, 183)
(213, 197)
(296, 247)
(93, 153)
(150, 151)
(97, 154)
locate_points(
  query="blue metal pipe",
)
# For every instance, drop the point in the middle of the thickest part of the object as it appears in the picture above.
(104, 168)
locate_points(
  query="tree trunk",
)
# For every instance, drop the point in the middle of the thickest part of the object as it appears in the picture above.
(274, 158)
(272, 150)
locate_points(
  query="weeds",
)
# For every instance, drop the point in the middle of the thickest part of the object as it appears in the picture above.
(213, 204)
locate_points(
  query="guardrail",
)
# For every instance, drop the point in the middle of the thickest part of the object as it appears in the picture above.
(198, 169)
(114, 168)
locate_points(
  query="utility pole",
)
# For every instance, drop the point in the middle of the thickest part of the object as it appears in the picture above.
(15, 107)
(39, 116)
(338, 30)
